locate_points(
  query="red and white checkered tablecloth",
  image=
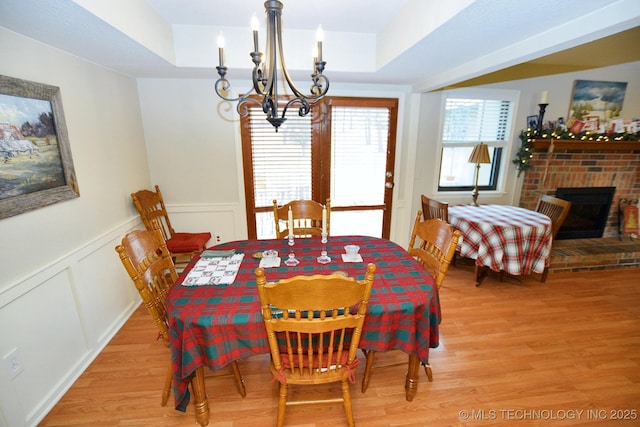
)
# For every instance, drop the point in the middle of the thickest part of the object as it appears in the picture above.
(503, 238)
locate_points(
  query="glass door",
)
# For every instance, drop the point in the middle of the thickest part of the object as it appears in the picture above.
(343, 150)
(362, 166)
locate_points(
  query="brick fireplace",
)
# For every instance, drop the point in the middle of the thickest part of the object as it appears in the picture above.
(583, 167)
(574, 164)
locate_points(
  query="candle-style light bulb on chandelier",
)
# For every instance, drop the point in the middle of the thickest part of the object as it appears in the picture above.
(265, 73)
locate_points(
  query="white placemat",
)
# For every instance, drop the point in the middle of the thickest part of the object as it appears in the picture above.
(214, 271)
(270, 262)
(349, 258)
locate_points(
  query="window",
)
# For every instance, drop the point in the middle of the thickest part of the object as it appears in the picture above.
(471, 117)
(343, 150)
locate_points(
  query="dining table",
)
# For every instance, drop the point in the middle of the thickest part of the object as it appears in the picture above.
(503, 238)
(212, 325)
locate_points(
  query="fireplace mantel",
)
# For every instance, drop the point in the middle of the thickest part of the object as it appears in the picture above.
(572, 144)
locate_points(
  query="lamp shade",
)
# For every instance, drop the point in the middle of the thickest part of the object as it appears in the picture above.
(480, 154)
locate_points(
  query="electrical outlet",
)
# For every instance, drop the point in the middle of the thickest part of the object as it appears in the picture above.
(14, 365)
(216, 238)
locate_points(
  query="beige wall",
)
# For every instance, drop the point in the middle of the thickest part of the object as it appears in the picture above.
(63, 292)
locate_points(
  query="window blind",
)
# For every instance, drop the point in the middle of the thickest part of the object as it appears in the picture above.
(281, 160)
(475, 120)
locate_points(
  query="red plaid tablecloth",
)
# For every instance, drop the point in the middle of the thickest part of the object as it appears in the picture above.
(214, 325)
(503, 238)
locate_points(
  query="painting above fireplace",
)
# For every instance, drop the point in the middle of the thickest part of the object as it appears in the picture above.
(589, 211)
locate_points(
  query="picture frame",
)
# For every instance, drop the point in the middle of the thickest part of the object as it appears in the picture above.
(35, 156)
(591, 123)
(593, 119)
(532, 122)
(577, 126)
(596, 99)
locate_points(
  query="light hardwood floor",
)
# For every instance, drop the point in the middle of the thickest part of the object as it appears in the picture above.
(564, 352)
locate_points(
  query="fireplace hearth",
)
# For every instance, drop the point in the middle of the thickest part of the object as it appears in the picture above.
(589, 211)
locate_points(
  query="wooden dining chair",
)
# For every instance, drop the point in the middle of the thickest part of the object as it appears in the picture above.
(432, 208)
(556, 209)
(153, 212)
(307, 218)
(433, 243)
(314, 336)
(146, 258)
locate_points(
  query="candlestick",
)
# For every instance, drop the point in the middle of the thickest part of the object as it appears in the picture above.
(324, 258)
(290, 223)
(542, 107)
(291, 261)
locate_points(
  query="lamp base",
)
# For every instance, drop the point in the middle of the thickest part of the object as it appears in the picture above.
(475, 199)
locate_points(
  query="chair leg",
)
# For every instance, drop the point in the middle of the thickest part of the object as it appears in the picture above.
(282, 403)
(346, 401)
(167, 385)
(480, 273)
(367, 369)
(544, 275)
(239, 380)
(428, 371)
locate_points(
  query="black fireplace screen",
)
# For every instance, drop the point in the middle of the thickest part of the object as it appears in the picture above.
(589, 211)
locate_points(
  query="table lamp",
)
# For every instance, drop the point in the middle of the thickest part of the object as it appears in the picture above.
(479, 155)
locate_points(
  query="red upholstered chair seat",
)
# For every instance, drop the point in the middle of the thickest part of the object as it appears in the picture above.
(187, 242)
(153, 213)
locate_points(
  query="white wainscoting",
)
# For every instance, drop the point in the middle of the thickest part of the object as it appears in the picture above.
(225, 220)
(59, 319)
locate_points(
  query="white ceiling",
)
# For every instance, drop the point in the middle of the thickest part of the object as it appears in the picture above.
(364, 16)
(427, 44)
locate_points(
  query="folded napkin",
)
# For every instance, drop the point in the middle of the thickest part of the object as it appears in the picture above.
(270, 262)
(212, 253)
(349, 258)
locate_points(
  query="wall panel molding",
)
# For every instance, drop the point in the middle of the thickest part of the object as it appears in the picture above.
(78, 317)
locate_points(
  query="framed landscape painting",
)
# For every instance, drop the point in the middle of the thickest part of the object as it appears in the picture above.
(36, 167)
(597, 100)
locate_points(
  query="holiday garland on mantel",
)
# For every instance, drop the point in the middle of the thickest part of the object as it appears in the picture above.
(525, 153)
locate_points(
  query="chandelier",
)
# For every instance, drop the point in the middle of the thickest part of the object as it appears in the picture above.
(265, 73)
